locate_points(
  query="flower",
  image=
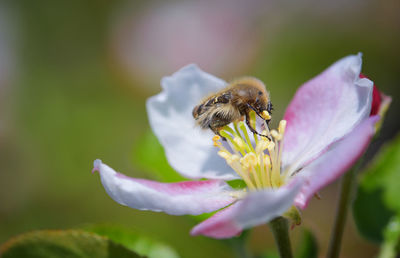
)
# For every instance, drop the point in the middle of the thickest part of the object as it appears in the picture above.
(326, 128)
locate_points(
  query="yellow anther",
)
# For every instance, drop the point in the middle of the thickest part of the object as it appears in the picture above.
(276, 135)
(215, 140)
(249, 160)
(225, 154)
(229, 157)
(235, 158)
(282, 126)
(266, 115)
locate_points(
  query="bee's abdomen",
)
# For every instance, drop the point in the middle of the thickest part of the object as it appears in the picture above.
(221, 99)
(212, 102)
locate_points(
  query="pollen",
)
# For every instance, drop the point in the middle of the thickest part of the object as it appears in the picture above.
(257, 160)
(215, 140)
(249, 160)
(265, 114)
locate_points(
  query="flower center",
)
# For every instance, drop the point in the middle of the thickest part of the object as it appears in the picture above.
(258, 160)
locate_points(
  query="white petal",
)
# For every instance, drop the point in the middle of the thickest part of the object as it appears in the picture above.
(193, 197)
(262, 206)
(189, 149)
(324, 110)
(256, 208)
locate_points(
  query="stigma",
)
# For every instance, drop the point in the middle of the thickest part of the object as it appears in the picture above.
(256, 159)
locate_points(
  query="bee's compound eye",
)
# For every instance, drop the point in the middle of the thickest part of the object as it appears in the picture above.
(260, 93)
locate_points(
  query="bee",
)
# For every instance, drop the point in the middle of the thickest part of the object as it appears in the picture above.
(234, 103)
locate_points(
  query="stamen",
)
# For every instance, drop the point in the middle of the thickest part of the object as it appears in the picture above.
(267, 166)
(215, 140)
(263, 172)
(250, 160)
(246, 135)
(225, 154)
(236, 128)
(276, 135)
(271, 147)
(261, 146)
(229, 130)
(258, 165)
(265, 114)
(253, 124)
(241, 144)
(250, 164)
(282, 127)
(234, 145)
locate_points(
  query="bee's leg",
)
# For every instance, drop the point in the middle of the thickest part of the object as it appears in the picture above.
(255, 110)
(254, 130)
(258, 114)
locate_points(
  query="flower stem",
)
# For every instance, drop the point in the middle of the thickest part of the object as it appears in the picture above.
(280, 230)
(346, 195)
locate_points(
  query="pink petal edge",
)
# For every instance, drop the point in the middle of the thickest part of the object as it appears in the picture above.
(336, 161)
(324, 110)
(220, 225)
(191, 197)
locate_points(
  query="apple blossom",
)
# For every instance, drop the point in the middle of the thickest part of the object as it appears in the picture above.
(325, 129)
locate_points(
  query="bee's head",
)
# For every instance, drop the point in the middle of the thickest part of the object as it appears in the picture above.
(262, 103)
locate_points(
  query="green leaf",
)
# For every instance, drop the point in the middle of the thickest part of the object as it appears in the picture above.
(149, 155)
(385, 174)
(141, 244)
(63, 244)
(378, 193)
(308, 247)
(370, 213)
(237, 184)
(390, 247)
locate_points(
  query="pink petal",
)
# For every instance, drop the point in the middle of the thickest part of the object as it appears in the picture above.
(255, 209)
(380, 102)
(193, 197)
(324, 110)
(220, 225)
(335, 161)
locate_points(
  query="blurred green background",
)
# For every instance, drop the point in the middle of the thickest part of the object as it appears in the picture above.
(75, 75)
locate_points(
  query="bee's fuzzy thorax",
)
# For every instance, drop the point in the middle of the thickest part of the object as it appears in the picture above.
(232, 103)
